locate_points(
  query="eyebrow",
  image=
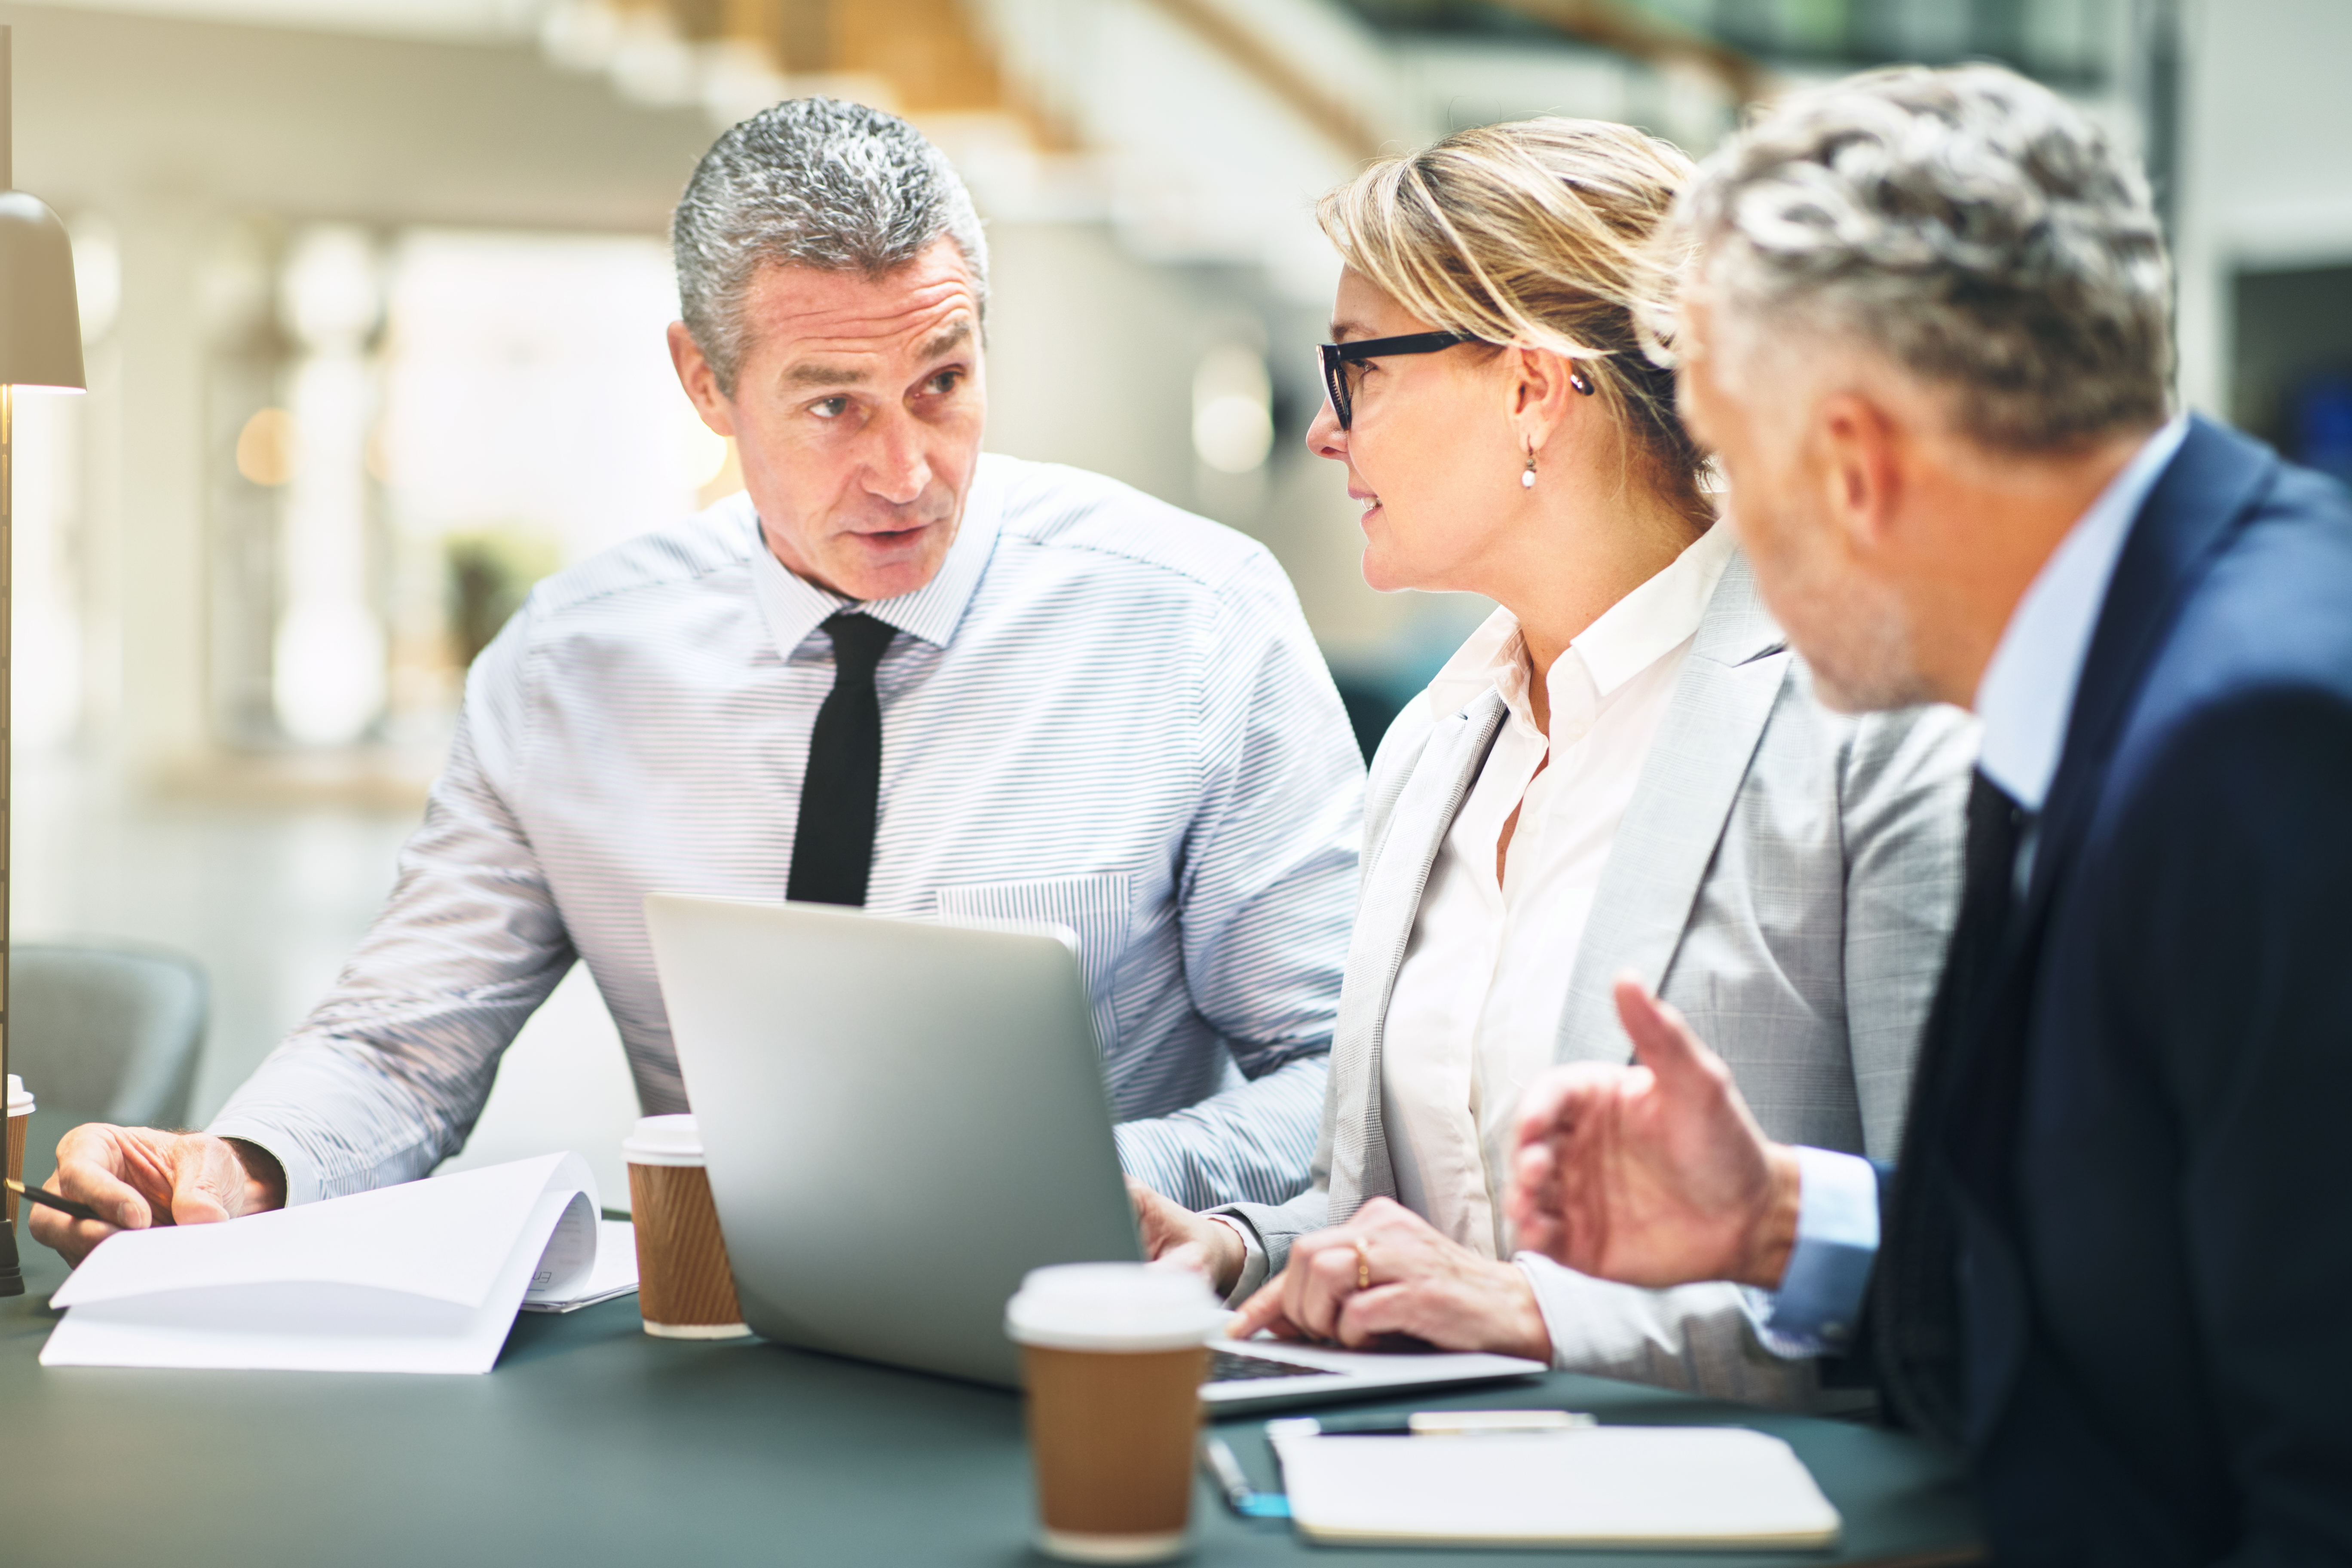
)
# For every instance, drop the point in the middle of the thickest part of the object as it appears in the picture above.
(1342, 330)
(816, 372)
(952, 337)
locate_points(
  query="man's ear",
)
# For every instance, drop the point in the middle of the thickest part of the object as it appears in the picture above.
(1862, 472)
(701, 382)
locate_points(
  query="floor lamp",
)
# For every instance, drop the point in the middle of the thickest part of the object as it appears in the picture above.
(40, 350)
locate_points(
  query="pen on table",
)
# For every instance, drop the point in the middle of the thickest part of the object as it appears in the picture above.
(51, 1200)
(1243, 1500)
(1432, 1424)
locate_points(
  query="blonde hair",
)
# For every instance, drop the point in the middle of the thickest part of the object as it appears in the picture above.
(1538, 235)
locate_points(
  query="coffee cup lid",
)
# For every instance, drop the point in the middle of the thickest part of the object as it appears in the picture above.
(1113, 1307)
(17, 1097)
(663, 1140)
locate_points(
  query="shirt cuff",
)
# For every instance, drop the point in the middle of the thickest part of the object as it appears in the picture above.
(1253, 1260)
(303, 1185)
(1819, 1300)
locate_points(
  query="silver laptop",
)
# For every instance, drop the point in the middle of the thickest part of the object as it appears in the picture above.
(902, 1118)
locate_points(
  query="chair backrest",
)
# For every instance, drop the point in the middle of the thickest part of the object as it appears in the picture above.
(109, 1032)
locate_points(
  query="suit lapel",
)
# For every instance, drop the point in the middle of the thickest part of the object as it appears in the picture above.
(2188, 516)
(2210, 483)
(1394, 877)
(1706, 739)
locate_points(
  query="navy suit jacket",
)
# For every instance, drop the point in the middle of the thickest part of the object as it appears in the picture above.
(2148, 1136)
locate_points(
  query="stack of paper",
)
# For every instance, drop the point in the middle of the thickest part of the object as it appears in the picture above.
(1602, 1486)
(425, 1277)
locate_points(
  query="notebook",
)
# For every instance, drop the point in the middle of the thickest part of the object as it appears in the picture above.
(423, 1278)
(1687, 1487)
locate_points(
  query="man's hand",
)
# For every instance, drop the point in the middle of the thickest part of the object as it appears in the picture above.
(1389, 1272)
(140, 1176)
(1174, 1234)
(1654, 1175)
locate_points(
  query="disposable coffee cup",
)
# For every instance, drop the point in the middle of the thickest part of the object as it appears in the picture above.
(1113, 1355)
(20, 1116)
(685, 1289)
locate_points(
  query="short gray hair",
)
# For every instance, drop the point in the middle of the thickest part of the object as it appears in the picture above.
(1971, 224)
(811, 181)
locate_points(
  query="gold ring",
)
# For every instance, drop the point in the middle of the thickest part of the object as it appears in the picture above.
(1363, 1264)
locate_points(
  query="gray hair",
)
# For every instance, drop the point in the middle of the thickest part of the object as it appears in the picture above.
(811, 181)
(1969, 224)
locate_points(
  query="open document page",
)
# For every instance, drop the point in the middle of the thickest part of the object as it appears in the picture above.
(423, 1277)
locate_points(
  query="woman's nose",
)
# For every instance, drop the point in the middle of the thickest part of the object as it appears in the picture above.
(1324, 437)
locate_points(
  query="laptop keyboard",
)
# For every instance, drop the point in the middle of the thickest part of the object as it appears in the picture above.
(1226, 1367)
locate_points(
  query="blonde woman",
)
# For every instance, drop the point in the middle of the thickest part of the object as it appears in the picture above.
(1624, 769)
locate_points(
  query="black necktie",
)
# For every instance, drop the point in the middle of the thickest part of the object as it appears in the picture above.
(1915, 1296)
(833, 849)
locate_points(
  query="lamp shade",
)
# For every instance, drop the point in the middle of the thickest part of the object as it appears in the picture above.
(40, 326)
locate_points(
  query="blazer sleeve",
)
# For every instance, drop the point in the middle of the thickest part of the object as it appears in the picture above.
(1700, 1338)
(2224, 948)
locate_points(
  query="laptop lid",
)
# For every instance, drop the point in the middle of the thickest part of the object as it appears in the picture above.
(899, 1120)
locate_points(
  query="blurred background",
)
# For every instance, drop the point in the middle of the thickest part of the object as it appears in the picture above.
(374, 294)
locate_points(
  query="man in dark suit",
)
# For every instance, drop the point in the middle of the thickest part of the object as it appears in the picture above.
(1925, 329)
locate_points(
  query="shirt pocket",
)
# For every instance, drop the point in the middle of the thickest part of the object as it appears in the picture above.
(1095, 908)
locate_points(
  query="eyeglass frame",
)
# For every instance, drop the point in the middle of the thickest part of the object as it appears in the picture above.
(1334, 357)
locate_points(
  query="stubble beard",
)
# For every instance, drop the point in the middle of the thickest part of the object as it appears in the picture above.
(1857, 638)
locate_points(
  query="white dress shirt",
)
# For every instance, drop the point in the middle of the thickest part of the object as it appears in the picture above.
(1102, 712)
(2025, 700)
(1475, 1011)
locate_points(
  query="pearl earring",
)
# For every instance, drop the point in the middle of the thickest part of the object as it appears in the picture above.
(1527, 478)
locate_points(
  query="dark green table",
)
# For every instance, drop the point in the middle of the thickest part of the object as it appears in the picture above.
(593, 1444)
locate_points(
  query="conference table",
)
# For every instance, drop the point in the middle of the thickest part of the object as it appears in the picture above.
(593, 1443)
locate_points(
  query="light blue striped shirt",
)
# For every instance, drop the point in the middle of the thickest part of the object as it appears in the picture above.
(1102, 711)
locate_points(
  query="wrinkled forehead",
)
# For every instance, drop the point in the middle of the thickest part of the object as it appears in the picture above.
(925, 305)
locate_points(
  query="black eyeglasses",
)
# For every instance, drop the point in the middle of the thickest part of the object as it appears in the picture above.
(1338, 357)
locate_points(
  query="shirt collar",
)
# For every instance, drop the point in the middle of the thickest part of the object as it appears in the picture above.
(1632, 634)
(793, 606)
(2027, 694)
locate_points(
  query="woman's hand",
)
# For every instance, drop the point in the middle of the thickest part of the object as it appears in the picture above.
(1389, 1272)
(1174, 1234)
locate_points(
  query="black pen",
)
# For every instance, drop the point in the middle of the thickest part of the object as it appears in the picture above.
(51, 1200)
(1432, 1423)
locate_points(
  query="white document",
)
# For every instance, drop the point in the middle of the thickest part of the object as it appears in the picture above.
(1602, 1486)
(423, 1277)
(615, 1273)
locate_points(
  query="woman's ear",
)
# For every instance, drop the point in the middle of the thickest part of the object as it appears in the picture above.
(1541, 390)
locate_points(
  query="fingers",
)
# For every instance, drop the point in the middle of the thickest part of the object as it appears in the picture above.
(62, 1234)
(113, 1170)
(1560, 1098)
(1664, 1042)
(1186, 1255)
(207, 1180)
(92, 1161)
(1393, 1309)
(1263, 1311)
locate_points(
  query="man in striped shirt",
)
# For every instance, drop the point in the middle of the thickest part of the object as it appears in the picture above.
(1094, 710)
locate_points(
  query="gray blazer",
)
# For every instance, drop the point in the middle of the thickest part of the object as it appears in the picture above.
(1786, 876)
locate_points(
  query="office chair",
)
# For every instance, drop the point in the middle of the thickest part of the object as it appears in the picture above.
(112, 1034)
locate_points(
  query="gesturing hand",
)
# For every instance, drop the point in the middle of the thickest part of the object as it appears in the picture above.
(140, 1176)
(1654, 1175)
